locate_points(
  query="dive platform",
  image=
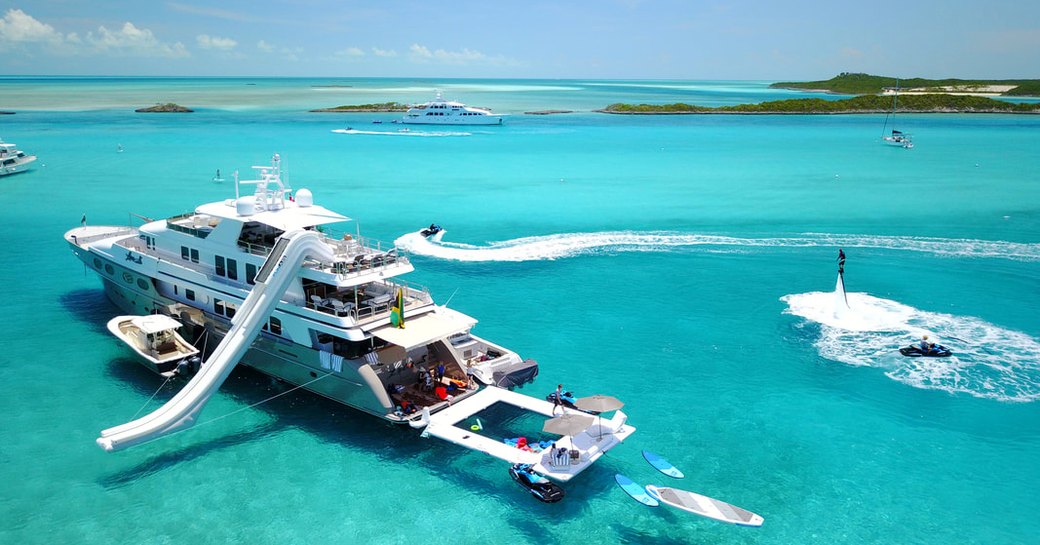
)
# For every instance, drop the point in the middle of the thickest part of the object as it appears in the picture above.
(589, 445)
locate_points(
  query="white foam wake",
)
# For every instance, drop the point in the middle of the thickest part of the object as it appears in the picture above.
(573, 244)
(403, 133)
(989, 361)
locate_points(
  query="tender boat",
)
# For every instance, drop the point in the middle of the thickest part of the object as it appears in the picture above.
(448, 112)
(13, 161)
(155, 339)
(267, 280)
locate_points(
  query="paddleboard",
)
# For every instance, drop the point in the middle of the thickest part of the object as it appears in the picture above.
(704, 506)
(662, 465)
(637, 492)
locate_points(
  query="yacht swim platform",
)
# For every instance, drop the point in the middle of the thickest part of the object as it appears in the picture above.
(591, 444)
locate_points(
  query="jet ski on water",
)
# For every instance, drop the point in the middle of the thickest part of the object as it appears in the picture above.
(535, 483)
(567, 400)
(433, 229)
(935, 351)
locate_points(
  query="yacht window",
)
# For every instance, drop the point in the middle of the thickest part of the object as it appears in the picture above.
(220, 265)
(194, 255)
(109, 269)
(276, 326)
(229, 310)
(97, 263)
(250, 273)
(232, 269)
(189, 294)
(218, 306)
(142, 284)
(184, 253)
(175, 290)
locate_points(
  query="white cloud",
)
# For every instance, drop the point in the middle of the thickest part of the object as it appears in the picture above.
(289, 54)
(206, 41)
(422, 54)
(132, 41)
(383, 52)
(20, 27)
(351, 52)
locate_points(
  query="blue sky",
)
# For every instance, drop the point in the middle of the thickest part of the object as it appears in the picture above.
(607, 39)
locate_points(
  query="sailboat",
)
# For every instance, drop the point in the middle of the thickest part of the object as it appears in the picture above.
(896, 138)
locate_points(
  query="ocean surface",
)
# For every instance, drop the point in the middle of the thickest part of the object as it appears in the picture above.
(684, 264)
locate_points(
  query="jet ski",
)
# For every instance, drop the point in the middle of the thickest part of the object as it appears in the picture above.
(433, 229)
(937, 351)
(567, 400)
(539, 487)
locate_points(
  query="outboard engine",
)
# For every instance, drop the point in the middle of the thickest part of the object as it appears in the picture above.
(187, 367)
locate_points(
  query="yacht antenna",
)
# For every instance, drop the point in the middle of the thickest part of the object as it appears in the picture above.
(236, 185)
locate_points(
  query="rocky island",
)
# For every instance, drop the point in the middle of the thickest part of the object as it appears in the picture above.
(164, 108)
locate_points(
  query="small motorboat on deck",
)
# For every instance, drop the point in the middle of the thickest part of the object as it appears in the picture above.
(155, 339)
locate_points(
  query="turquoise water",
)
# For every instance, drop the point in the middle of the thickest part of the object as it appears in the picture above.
(683, 264)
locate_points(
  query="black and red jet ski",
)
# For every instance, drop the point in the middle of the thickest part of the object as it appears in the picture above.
(535, 483)
(937, 351)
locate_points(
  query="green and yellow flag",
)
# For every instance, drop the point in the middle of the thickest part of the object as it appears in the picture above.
(397, 312)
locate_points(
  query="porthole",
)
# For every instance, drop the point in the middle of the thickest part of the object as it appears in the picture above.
(109, 269)
(128, 278)
(97, 263)
(142, 284)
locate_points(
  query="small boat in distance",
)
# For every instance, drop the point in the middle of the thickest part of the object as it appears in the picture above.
(448, 112)
(895, 138)
(155, 339)
(13, 161)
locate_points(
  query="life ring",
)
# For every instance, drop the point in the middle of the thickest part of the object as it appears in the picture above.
(477, 427)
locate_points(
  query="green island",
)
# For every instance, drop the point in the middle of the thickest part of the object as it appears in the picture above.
(164, 108)
(932, 103)
(383, 107)
(848, 83)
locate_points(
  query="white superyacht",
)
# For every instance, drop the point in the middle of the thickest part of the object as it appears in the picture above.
(261, 280)
(449, 112)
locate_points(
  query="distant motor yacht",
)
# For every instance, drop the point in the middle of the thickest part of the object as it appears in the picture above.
(448, 112)
(13, 161)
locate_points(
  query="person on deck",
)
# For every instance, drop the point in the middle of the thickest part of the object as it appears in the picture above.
(841, 261)
(557, 399)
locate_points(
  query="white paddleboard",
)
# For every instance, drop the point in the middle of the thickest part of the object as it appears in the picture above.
(704, 506)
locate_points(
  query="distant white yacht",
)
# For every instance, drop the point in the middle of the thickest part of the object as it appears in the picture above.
(448, 112)
(13, 161)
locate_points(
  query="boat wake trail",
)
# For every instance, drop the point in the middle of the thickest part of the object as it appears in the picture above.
(404, 133)
(575, 244)
(988, 361)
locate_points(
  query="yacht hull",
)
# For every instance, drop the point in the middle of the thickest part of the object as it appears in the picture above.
(278, 358)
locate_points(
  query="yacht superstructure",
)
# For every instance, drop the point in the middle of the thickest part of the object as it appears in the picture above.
(263, 280)
(449, 112)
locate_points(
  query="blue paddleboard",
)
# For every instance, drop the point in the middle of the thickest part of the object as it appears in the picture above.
(662, 465)
(637, 492)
